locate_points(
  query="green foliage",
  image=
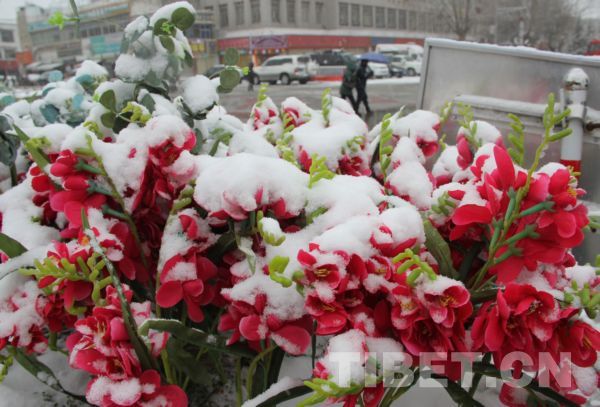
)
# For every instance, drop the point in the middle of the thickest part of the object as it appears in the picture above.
(269, 238)
(136, 113)
(91, 271)
(326, 104)
(182, 18)
(445, 113)
(220, 135)
(229, 79)
(109, 100)
(517, 140)
(411, 261)
(231, 56)
(5, 364)
(385, 147)
(324, 389)
(466, 121)
(262, 94)
(276, 268)
(10, 246)
(9, 143)
(58, 20)
(440, 250)
(444, 205)
(318, 170)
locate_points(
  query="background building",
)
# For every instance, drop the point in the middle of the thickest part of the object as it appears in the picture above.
(261, 28)
(9, 48)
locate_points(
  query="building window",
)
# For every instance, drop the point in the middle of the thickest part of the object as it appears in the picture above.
(305, 11)
(368, 16)
(10, 53)
(412, 20)
(355, 9)
(343, 9)
(276, 11)
(223, 15)
(7, 36)
(379, 17)
(239, 12)
(391, 18)
(255, 11)
(402, 19)
(291, 11)
(319, 12)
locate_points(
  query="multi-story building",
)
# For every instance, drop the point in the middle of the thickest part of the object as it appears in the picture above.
(9, 48)
(98, 35)
(266, 27)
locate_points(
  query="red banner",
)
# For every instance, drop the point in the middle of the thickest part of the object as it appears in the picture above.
(327, 41)
(238, 43)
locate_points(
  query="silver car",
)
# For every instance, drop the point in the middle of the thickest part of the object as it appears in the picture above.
(287, 68)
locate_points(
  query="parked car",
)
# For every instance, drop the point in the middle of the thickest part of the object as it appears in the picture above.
(379, 70)
(287, 68)
(396, 70)
(410, 64)
(332, 58)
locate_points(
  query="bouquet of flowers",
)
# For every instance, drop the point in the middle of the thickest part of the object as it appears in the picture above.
(156, 239)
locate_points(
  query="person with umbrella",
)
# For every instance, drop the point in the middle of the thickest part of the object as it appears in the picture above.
(363, 73)
(349, 83)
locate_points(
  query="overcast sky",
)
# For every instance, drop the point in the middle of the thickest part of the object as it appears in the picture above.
(10, 6)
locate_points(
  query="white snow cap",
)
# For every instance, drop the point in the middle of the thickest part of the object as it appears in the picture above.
(199, 93)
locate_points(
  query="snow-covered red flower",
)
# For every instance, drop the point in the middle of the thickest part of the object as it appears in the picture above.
(143, 391)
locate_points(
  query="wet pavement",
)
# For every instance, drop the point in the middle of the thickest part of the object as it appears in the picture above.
(385, 96)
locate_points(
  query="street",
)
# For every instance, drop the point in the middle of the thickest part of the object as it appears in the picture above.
(385, 96)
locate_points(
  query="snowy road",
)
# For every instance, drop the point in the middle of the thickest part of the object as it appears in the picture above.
(385, 95)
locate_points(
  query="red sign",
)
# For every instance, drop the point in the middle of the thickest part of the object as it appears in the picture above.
(418, 41)
(239, 43)
(327, 41)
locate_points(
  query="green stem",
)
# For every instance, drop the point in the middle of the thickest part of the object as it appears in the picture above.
(13, 175)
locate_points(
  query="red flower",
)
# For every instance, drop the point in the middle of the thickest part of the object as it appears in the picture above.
(186, 278)
(101, 345)
(133, 391)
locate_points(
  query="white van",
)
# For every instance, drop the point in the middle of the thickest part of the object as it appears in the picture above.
(413, 50)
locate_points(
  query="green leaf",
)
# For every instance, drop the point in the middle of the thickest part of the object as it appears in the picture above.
(37, 155)
(9, 144)
(108, 119)
(186, 363)
(167, 42)
(158, 26)
(231, 56)
(439, 248)
(182, 18)
(193, 336)
(50, 113)
(148, 102)
(57, 19)
(10, 246)
(230, 78)
(109, 100)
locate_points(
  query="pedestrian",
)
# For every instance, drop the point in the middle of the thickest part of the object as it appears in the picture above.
(348, 84)
(251, 77)
(362, 74)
